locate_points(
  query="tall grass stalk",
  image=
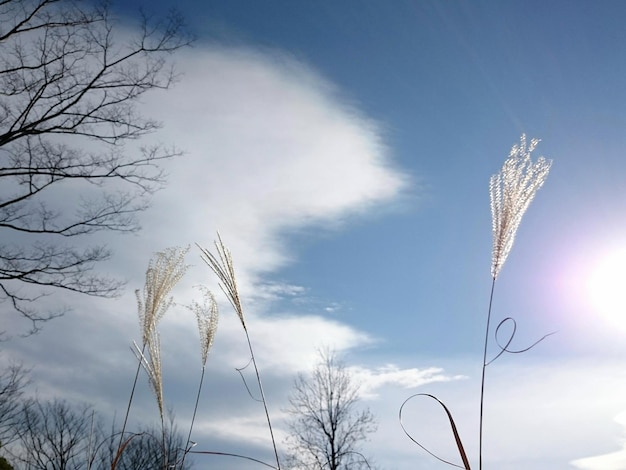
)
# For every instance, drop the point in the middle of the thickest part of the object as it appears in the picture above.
(164, 271)
(511, 191)
(222, 265)
(152, 366)
(207, 316)
(482, 379)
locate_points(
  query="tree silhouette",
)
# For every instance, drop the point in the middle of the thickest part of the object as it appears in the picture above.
(326, 426)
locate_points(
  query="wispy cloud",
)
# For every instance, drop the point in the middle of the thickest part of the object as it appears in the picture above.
(270, 146)
(372, 380)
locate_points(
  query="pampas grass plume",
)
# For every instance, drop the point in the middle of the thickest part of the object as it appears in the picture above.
(222, 266)
(163, 273)
(512, 191)
(207, 315)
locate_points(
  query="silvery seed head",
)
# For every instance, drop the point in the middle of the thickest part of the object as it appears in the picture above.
(152, 365)
(511, 191)
(222, 266)
(163, 273)
(207, 316)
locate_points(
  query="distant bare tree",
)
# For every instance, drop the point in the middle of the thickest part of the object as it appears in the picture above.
(144, 450)
(54, 436)
(326, 426)
(13, 380)
(70, 78)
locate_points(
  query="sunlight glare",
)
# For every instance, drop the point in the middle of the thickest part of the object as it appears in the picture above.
(607, 288)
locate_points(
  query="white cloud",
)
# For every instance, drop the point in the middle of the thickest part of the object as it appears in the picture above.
(372, 380)
(609, 461)
(270, 147)
(251, 429)
(556, 408)
(291, 342)
(539, 414)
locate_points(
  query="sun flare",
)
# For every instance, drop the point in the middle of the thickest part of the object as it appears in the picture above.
(607, 288)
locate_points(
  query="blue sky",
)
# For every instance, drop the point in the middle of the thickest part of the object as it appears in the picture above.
(343, 150)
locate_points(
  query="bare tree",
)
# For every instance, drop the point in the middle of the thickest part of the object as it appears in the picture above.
(326, 426)
(70, 78)
(13, 380)
(143, 450)
(54, 436)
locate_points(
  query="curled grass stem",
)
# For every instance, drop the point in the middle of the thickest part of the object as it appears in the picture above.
(455, 433)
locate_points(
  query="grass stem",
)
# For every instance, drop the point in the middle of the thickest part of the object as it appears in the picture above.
(193, 418)
(482, 380)
(130, 400)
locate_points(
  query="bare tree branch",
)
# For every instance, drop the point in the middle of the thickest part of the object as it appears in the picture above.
(70, 79)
